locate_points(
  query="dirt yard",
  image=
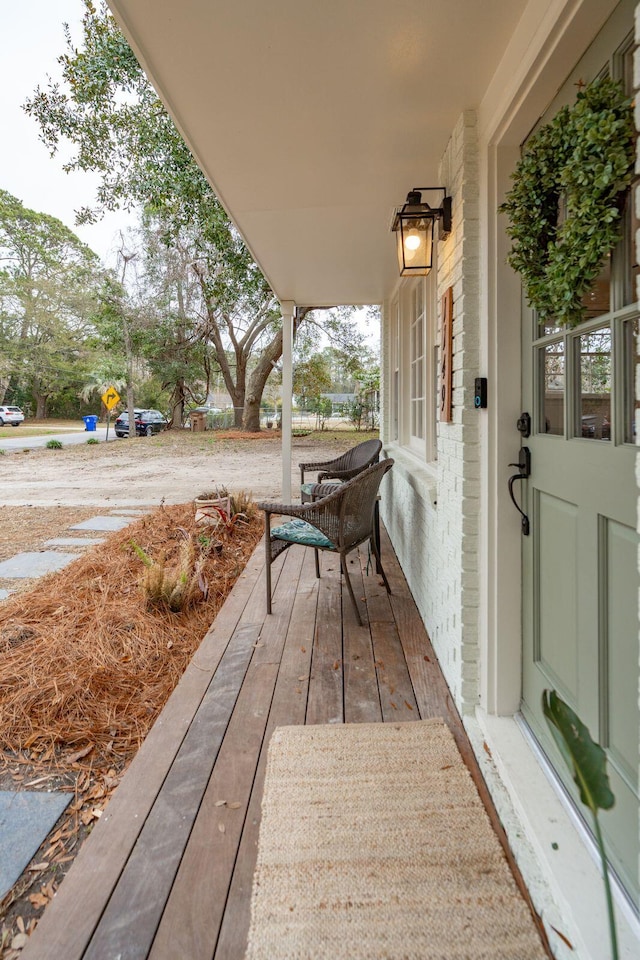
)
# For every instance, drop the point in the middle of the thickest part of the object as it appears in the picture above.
(43, 492)
(173, 467)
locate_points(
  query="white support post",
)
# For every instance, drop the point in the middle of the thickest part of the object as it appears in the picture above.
(287, 308)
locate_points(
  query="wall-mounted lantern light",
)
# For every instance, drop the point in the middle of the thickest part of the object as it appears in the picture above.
(413, 225)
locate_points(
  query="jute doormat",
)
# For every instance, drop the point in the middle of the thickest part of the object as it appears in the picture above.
(374, 843)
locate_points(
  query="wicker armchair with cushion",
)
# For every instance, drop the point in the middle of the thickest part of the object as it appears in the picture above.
(338, 522)
(344, 467)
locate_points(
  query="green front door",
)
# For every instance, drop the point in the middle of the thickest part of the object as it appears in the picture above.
(580, 561)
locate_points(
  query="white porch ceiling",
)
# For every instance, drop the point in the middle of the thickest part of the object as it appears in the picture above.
(313, 118)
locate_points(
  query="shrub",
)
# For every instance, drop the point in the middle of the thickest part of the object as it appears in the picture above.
(93, 440)
(53, 445)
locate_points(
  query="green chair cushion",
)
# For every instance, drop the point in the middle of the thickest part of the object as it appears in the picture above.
(299, 531)
(307, 488)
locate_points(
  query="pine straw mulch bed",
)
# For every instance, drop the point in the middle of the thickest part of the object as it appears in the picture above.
(86, 664)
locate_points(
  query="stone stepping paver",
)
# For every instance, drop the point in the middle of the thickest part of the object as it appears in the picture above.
(102, 523)
(4, 594)
(74, 541)
(26, 817)
(35, 564)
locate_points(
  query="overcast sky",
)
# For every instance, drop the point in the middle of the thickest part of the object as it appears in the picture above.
(32, 39)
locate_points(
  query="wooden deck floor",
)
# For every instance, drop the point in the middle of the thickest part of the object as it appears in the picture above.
(167, 871)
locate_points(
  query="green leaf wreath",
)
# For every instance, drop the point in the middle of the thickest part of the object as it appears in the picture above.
(583, 159)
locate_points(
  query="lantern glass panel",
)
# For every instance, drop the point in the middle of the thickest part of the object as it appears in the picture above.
(415, 243)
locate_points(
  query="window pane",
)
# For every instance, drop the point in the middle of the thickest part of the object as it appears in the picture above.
(632, 358)
(553, 388)
(595, 385)
(416, 382)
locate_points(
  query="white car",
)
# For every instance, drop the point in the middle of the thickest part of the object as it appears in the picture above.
(12, 415)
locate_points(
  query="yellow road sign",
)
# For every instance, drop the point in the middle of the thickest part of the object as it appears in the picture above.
(110, 397)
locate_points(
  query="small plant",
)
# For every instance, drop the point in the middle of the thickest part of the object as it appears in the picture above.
(2, 452)
(174, 586)
(218, 493)
(53, 445)
(93, 440)
(243, 502)
(208, 544)
(224, 518)
(587, 762)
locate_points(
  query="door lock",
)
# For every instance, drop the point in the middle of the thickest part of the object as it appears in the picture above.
(524, 471)
(524, 424)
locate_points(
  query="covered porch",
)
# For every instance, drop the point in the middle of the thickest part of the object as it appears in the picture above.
(168, 869)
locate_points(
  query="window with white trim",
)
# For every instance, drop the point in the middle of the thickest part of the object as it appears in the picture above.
(413, 367)
(394, 364)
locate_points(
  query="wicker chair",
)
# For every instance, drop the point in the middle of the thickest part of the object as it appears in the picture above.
(345, 467)
(338, 522)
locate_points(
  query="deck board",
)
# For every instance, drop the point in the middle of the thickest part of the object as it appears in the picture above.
(168, 869)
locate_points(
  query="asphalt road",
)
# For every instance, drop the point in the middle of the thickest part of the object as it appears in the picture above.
(66, 438)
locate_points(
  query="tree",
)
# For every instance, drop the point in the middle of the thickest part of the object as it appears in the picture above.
(109, 113)
(229, 321)
(311, 378)
(48, 280)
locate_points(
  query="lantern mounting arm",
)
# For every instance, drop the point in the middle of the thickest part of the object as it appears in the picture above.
(444, 211)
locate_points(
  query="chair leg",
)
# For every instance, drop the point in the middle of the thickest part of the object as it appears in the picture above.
(376, 533)
(379, 567)
(343, 564)
(317, 555)
(267, 544)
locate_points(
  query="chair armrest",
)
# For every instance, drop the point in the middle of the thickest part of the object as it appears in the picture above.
(322, 514)
(339, 474)
(298, 509)
(320, 490)
(317, 465)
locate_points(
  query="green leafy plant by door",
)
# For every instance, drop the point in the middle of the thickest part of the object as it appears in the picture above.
(565, 205)
(587, 763)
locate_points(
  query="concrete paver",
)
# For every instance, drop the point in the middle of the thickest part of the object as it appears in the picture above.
(74, 541)
(26, 817)
(102, 523)
(25, 565)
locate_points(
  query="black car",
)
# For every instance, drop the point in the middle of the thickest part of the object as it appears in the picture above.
(147, 422)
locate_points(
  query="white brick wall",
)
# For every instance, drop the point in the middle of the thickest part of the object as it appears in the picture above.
(437, 544)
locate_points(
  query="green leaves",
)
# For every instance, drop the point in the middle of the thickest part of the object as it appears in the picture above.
(587, 763)
(583, 161)
(585, 759)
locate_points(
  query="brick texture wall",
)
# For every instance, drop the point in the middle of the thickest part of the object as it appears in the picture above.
(435, 532)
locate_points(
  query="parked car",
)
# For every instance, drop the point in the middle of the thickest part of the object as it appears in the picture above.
(11, 415)
(147, 422)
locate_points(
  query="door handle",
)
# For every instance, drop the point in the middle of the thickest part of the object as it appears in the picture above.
(524, 471)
